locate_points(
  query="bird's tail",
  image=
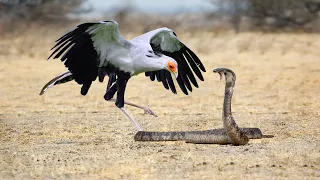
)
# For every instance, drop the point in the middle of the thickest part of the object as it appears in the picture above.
(62, 78)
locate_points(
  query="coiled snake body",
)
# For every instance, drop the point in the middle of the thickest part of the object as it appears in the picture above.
(231, 133)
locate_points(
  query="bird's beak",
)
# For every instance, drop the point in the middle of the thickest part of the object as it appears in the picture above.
(173, 71)
(175, 74)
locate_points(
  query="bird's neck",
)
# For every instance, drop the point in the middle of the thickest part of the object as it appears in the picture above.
(148, 64)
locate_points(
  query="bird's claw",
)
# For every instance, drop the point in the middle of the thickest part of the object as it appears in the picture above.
(149, 111)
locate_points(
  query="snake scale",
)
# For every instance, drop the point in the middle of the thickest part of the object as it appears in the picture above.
(230, 134)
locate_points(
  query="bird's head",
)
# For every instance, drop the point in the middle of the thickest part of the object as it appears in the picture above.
(157, 61)
(229, 74)
(172, 66)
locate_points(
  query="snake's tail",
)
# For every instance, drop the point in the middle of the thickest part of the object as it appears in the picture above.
(267, 136)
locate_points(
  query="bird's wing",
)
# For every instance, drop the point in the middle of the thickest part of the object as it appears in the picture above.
(165, 41)
(84, 51)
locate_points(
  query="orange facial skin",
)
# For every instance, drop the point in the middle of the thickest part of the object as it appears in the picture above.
(172, 67)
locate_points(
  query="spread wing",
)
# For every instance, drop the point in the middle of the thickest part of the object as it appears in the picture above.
(84, 51)
(165, 41)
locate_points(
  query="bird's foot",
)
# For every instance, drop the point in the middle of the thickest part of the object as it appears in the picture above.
(149, 111)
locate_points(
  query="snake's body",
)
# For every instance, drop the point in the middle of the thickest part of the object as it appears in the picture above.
(230, 134)
(216, 136)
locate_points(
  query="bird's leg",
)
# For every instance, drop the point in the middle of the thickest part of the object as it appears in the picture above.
(121, 86)
(109, 97)
(110, 93)
(146, 110)
(131, 119)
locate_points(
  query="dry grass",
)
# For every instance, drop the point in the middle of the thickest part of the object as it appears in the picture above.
(65, 135)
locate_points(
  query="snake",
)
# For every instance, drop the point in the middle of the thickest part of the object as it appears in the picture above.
(229, 134)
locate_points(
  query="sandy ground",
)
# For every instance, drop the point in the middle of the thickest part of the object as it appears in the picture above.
(63, 135)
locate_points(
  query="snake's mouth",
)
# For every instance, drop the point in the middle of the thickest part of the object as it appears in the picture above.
(220, 73)
(226, 72)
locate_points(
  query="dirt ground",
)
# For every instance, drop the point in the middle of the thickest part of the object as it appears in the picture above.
(63, 135)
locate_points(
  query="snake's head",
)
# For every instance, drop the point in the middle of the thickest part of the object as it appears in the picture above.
(228, 73)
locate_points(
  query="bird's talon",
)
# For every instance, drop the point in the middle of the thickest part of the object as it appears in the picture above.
(149, 111)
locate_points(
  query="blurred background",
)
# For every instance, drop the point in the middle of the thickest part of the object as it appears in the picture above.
(189, 15)
(51, 18)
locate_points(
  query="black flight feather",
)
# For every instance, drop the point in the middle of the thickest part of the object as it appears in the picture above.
(158, 76)
(186, 60)
(194, 66)
(182, 86)
(85, 88)
(188, 72)
(78, 55)
(170, 82)
(152, 75)
(163, 79)
(196, 59)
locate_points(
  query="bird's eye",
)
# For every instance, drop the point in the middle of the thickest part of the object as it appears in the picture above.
(171, 67)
